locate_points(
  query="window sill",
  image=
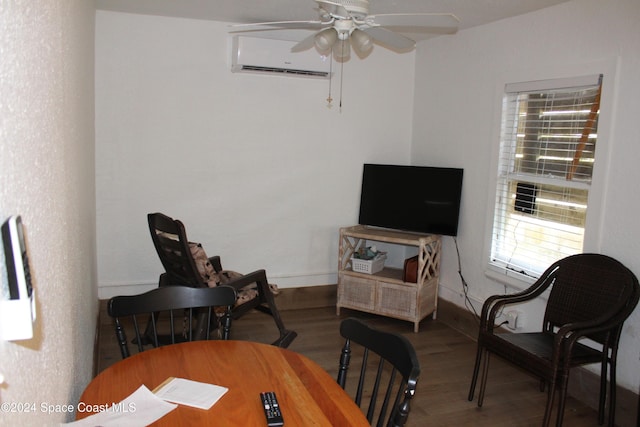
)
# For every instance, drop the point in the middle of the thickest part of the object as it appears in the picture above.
(509, 278)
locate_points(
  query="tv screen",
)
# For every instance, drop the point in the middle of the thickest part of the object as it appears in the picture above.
(411, 198)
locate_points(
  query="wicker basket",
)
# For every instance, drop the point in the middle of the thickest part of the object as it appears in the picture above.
(368, 266)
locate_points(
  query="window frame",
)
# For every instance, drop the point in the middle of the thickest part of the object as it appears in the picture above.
(598, 188)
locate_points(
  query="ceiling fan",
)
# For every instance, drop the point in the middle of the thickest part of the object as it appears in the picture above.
(344, 21)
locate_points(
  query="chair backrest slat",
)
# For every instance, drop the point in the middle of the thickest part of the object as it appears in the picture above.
(387, 396)
(187, 302)
(396, 374)
(170, 240)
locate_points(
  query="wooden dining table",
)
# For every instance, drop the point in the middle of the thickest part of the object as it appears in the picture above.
(307, 394)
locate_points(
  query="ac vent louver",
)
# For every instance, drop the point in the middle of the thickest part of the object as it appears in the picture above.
(307, 73)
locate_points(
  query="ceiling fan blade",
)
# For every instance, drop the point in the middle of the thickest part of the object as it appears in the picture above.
(333, 8)
(304, 25)
(437, 21)
(390, 39)
(304, 44)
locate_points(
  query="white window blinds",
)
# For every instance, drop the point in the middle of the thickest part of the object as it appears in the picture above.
(547, 154)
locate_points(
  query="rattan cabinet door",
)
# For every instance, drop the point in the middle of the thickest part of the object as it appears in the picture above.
(356, 292)
(397, 300)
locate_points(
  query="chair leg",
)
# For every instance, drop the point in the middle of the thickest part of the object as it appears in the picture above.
(612, 394)
(476, 370)
(562, 397)
(286, 336)
(549, 407)
(483, 379)
(603, 391)
(638, 411)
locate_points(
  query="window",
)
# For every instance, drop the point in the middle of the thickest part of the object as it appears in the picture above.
(547, 155)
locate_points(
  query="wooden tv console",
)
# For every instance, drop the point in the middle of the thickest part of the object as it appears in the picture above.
(385, 292)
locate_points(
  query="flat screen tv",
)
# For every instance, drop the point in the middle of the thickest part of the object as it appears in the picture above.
(411, 198)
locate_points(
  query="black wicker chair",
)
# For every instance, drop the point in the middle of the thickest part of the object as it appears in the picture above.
(590, 296)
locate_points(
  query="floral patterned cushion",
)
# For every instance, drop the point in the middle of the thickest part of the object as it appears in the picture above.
(213, 278)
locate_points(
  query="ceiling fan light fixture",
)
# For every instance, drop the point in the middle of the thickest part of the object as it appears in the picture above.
(325, 39)
(361, 41)
(342, 50)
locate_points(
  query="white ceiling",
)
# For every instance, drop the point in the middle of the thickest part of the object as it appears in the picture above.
(470, 12)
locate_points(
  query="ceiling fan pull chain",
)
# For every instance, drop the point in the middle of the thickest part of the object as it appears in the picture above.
(329, 98)
(341, 73)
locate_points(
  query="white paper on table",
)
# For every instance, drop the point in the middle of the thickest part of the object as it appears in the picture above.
(191, 393)
(140, 409)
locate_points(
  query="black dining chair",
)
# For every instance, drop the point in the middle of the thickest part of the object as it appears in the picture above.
(192, 312)
(388, 372)
(589, 296)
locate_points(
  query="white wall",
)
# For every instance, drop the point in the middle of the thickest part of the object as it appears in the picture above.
(47, 176)
(457, 115)
(256, 166)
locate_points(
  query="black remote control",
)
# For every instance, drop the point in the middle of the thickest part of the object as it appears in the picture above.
(271, 409)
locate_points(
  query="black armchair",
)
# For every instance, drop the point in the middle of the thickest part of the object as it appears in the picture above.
(590, 296)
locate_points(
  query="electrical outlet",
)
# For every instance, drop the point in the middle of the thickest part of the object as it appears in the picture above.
(512, 319)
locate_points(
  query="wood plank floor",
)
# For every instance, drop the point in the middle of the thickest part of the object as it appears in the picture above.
(512, 398)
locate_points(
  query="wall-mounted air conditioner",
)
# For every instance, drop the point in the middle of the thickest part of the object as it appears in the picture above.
(258, 55)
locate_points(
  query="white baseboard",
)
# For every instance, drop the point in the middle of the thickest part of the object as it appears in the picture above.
(109, 290)
(456, 296)
(302, 280)
(106, 291)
